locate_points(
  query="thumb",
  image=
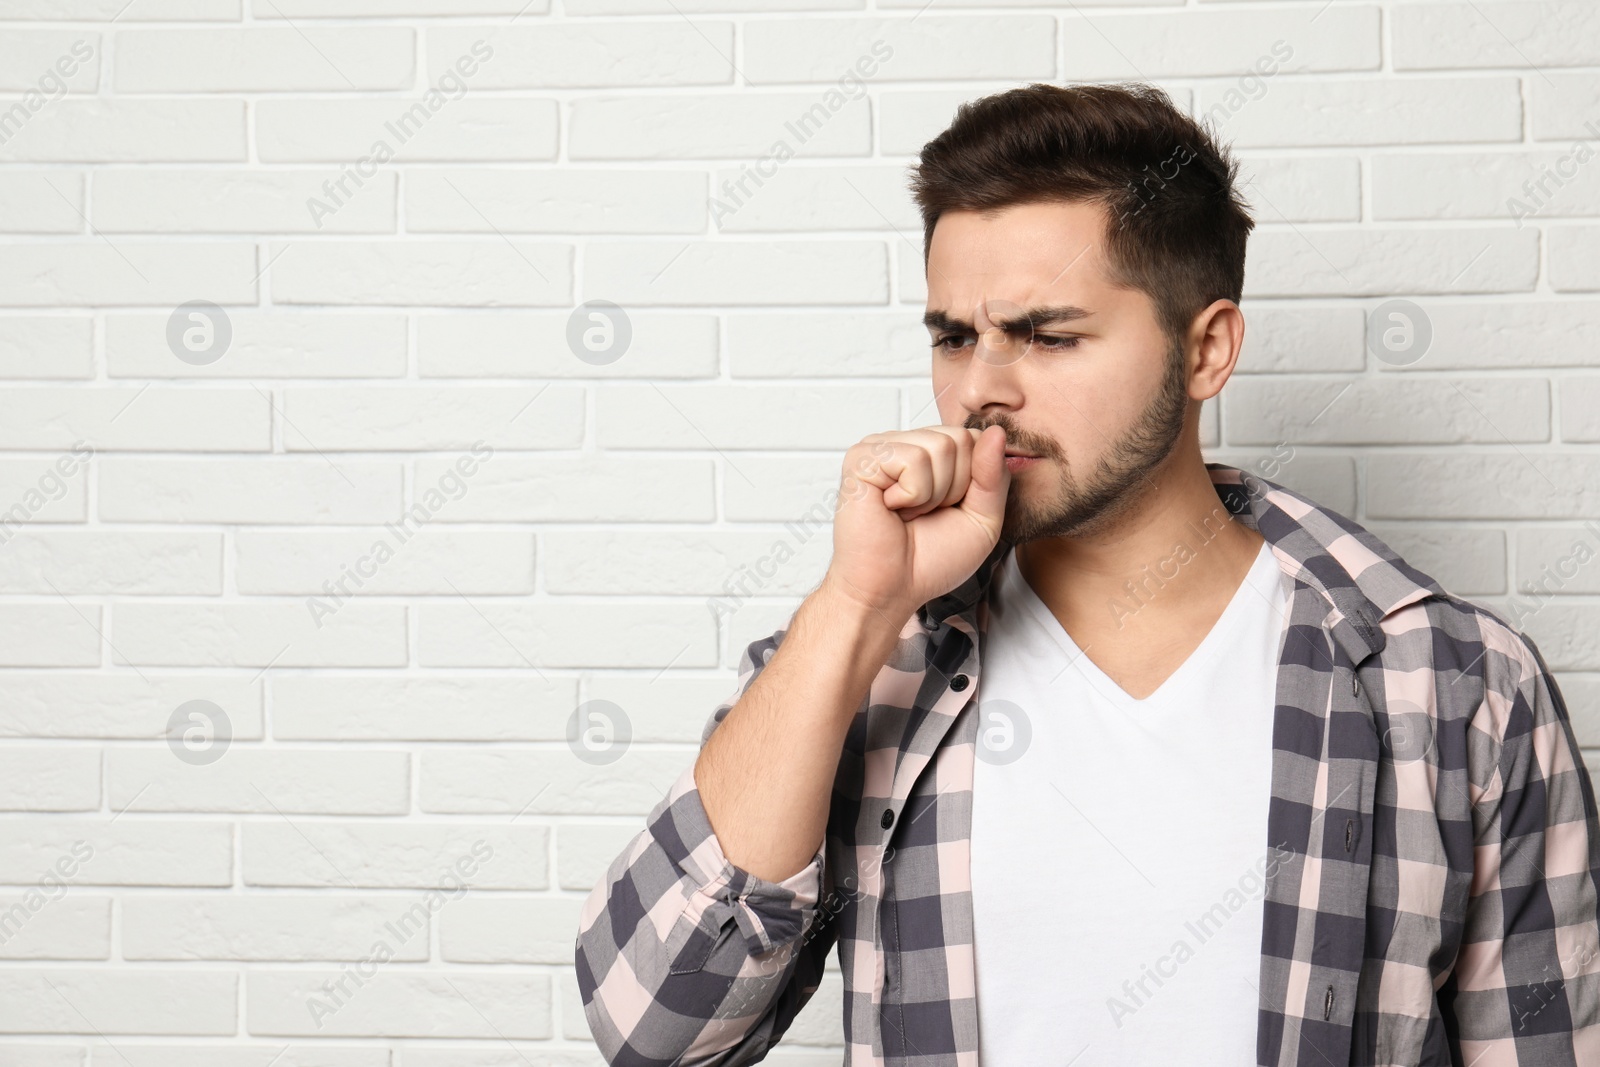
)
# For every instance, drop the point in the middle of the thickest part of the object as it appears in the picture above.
(985, 499)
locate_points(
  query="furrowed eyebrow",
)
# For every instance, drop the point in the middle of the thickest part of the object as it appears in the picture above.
(1030, 318)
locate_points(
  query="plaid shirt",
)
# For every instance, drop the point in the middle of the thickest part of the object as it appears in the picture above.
(1431, 898)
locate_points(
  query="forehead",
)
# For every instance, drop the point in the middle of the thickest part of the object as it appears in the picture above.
(1027, 254)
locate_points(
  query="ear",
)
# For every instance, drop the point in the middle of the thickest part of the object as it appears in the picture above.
(1215, 337)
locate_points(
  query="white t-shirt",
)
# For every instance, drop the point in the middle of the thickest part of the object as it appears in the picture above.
(1119, 845)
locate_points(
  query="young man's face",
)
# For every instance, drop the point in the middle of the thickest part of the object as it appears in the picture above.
(1098, 394)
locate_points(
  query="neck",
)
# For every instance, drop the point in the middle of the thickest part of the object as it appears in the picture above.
(1172, 555)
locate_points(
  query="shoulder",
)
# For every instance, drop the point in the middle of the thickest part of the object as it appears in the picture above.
(1480, 669)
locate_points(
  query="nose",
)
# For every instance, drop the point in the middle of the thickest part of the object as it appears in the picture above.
(987, 383)
(999, 348)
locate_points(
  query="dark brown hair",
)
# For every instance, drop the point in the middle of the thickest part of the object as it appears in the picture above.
(1176, 226)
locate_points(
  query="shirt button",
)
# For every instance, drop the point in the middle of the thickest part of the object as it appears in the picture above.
(959, 682)
(888, 818)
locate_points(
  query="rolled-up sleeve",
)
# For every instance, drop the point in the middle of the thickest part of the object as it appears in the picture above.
(682, 956)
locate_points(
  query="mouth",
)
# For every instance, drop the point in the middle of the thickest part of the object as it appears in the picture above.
(1019, 455)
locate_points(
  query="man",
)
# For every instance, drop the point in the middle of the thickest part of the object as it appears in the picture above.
(1201, 772)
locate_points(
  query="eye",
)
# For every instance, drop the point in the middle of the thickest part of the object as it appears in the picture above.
(1044, 342)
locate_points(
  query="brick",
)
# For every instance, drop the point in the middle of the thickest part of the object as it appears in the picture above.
(103, 10)
(1454, 36)
(345, 131)
(462, 781)
(269, 781)
(120, 1002)
(1302, 189)
(776, 272)
(1512, 333)
(718, 126)
(258, 634)
(569, 200)
(299, 1054)
(317, 9)
(237, 201)
(1580, 409)
(585, 488)
(585, 850)
(50, 635)
(396, 1003)
(44, 1055)
(127, 273)
(741, 417)
(1355, 262)
(375, 855)
(49, 779)
(46, 346)
(1562, 105)
(41, 201)
(1257, 41)
(498, 930)
(119, 704)
(385, 561)
(868, 344)
(275, 927)
(781, 489)
(1565, 633)
(1480, 485)
(126, 418)
(279, 343)
(1502, 185)
(850, 51)
(50, 62)
(705, 563)
(118, 851)
(516, 344)
(792, 199)
(432, 418)
(1574, 259)
(311, 491)
(439, 273)
(1556, 560)
(265, 59)
(55, 924)
(110, 130)
(1370, 111)
(1388, 410)
(579, 55)
(668, 7)
(324, 707)
(565, 633)
(1288, 338)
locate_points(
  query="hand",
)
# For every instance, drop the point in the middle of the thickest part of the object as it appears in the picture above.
(918, 511)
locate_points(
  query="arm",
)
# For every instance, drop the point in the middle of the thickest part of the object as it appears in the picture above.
(687, 955)
(697, 947)
(1527, 977)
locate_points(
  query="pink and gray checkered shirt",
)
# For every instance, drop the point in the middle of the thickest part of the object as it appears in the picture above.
(1432, 901)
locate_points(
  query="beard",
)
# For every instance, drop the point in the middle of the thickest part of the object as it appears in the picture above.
(1079, 508)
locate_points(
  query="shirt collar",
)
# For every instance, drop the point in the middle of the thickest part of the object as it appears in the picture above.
(1362, 579)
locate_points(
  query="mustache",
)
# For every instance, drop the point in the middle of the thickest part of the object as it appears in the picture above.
(1014, 438)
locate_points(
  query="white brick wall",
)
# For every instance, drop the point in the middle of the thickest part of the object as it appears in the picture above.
(398, 628)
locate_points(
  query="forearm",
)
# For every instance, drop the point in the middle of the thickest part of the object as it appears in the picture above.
(766, 774)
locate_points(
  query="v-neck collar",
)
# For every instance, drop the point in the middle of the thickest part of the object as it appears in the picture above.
(1225, 623)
